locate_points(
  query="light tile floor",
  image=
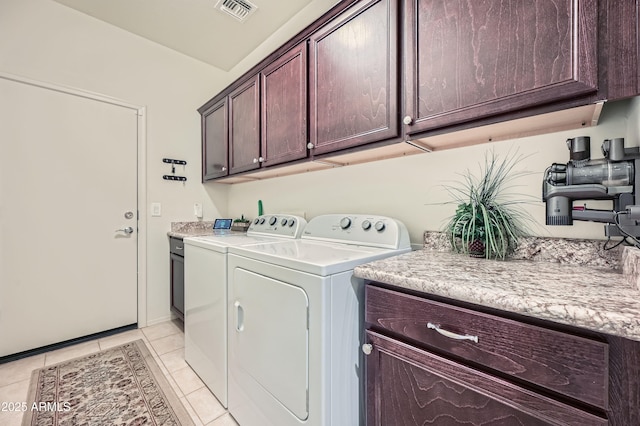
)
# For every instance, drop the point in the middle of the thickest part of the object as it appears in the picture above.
(166, 343)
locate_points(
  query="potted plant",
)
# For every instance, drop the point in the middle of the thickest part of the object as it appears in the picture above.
(240, 224)
(487, 222)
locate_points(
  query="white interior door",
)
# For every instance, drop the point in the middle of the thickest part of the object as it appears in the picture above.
(68, 181)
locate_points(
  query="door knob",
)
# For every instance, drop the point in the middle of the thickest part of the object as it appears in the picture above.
(127, 230)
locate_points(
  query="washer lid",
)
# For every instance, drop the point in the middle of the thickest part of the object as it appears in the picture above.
(314, 257)
(222, 242)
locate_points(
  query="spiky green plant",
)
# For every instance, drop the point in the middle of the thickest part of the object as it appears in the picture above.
(485, 211)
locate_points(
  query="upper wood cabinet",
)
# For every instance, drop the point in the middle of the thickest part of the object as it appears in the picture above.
(619, 41)
(353, 78)
(284, 108)
(215, 146)
(336, 88)
(244, 127)
(466, 60)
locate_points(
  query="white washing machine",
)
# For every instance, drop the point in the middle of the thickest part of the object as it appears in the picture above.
(296, 322)
(205, 322)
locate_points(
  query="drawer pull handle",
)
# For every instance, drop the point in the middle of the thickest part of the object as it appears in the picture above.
(450, 334)
(179, 248)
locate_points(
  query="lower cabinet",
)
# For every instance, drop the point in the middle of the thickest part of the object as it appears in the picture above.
(176, 256)
(431, 362)
(412, 386)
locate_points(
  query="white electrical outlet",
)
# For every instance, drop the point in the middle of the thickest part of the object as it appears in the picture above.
(156, 209)
(197, 210)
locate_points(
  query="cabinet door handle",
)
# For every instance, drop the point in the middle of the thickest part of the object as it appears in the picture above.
(367, 348)
(179, 248)
(239, 316)
(450, 334)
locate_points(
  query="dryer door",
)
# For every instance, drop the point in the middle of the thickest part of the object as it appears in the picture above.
(271, 337)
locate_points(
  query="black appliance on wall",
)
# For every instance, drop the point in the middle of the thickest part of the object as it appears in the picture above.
(615, 177)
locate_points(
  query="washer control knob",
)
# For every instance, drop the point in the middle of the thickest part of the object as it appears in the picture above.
(283, 222)
(273, 220)
(366, 225)
(367, 348)
(256, 221)
(380, 226)
(291, 223)
(261, 220)
(345, 223)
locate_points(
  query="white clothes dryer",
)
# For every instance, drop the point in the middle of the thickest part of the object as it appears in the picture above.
(205, 323)
(296, 322)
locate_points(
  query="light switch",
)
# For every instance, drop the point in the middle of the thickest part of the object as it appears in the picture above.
(156, 209)
(197, 210)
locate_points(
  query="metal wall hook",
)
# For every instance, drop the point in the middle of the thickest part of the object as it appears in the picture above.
(173, 163)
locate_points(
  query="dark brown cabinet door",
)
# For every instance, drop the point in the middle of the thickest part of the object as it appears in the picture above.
(215, 141)
(465, 60)
(409, 386)
(353, 78)
(244, 127)
(618, 47)
(284, 108)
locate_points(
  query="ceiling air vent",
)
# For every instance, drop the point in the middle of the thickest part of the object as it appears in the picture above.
(239, 9)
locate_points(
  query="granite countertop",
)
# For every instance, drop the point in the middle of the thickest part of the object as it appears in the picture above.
(190, 229)
(601, 299)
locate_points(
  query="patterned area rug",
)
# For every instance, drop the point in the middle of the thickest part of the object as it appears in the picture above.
(117, 386)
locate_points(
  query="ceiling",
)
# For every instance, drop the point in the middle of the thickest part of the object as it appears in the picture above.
(194, 27)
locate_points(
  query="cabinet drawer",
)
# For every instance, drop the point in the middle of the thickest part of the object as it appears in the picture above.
(408, 386)
(570, 365)
(176, 246)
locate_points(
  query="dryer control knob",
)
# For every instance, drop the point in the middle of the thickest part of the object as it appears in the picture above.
(261, 220)
(273, 220)
(283, 222)
(380, 226)
(366, 225)
(345, 223)
(256, 221)
(291, 223)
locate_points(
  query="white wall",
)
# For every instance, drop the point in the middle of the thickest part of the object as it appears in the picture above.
(45, 41)
(410, 188)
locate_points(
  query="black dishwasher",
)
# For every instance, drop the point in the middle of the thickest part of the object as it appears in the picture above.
(177, 276)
